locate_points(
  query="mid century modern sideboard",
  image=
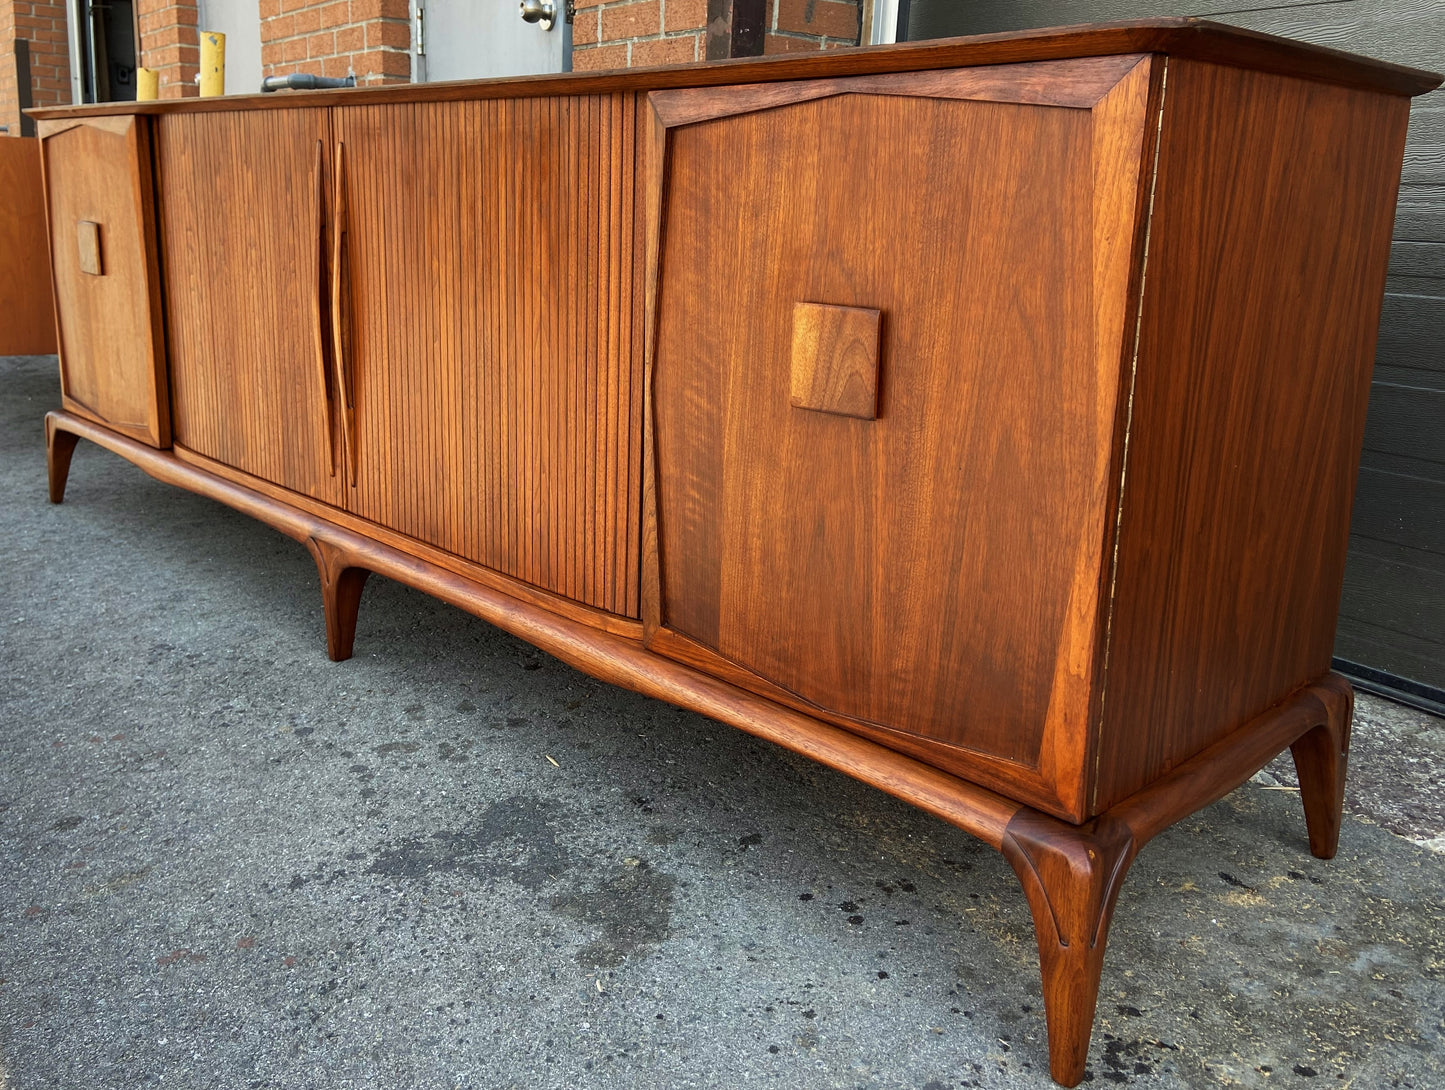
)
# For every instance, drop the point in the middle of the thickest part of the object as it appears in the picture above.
(980, 418)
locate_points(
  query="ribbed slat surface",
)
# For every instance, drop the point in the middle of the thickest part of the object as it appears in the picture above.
(238, 245)
(493, 341)
(491, 261)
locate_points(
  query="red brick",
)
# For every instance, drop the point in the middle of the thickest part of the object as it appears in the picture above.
(305, 21)
(833, 18)
(269, 9)
(271, 54)
(350, 39)
(294, 50)
(365, 10)
(321, 45)
(684, 15)
(580, 4)
(680, 50)
(384, 62)
(170, 16)
(388, 32)
(783, 43)
(174, 54)
(171, 35)
(597, 58)
(631, 20)
(178, 87)
(339, 66)
(586, 28)
(335, 15)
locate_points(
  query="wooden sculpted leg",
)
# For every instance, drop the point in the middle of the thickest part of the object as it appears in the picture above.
(1071, 875)
(59, 446)
(1320, 757)
(341, 585)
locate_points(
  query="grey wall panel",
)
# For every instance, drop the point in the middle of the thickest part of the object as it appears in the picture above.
(1420, 215)
(1406, 421)
(1412, 338)
(1392, 614)
(1403, 510)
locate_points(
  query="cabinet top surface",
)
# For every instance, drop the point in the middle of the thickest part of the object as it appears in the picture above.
(1185, 37)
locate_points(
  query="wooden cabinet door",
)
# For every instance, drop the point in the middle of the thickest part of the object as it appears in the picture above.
(487, 275)
(891, 316)
(242, 233)
(103, 258)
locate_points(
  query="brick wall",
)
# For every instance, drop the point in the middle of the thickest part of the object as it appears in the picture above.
(170, 43)
(9, 97)
(42, 24)
(371, 38)
(807, 25)
(637, 33)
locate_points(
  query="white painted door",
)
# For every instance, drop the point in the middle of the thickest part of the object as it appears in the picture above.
(240, 22)
(478, 39)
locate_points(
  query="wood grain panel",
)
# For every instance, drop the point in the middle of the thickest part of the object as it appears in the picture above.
(241, 232)
(27, 305)
(112, 350)
(835, 359)
(513, 588)
(492, 289)
(1079, 83)
(936, 570)
(1267, 263)
(1412, 329)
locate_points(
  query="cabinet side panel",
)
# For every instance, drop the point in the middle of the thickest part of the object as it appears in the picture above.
(1267, 261)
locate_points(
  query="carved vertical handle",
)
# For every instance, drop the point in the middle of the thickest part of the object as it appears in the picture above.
(320, 283)
(341, 311)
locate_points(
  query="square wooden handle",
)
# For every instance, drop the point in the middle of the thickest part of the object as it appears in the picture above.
(88, 238)
(835, 359)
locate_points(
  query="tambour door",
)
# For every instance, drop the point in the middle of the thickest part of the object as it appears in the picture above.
(492, 395)
(243, 206)
(891, 313)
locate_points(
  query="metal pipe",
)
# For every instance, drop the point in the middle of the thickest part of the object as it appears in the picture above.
(305, 81)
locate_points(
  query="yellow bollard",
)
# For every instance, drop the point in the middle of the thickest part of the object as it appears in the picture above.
(147, 85)
(213, 64)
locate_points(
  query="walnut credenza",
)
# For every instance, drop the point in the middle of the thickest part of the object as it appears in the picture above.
(980, 418)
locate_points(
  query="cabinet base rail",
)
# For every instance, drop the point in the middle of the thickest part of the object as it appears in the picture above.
(1071, 874)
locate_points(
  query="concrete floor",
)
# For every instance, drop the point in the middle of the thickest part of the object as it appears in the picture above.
(455, 862)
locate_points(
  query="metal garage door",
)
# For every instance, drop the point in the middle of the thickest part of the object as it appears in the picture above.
(1392, 617)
